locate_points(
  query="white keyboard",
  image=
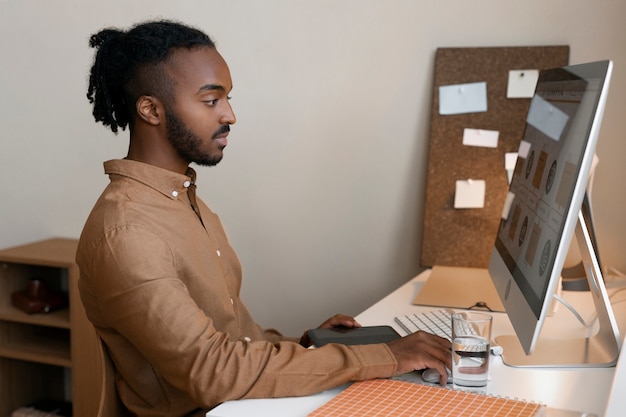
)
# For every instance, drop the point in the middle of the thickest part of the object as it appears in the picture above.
(436, 322)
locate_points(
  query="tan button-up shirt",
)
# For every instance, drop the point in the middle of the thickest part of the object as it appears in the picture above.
(162, 290)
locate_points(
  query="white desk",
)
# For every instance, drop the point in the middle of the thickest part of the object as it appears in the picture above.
(584, 390)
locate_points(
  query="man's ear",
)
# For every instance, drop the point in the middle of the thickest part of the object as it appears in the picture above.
(150, 110)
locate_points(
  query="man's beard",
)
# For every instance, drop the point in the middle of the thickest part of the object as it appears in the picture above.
(187, 144)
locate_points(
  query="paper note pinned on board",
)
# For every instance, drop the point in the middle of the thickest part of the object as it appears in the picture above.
(547, 118)
(480, 137)
(463, 98)
(522, 83)
(524, 147)
(508, 202)
(510, 159)
(469, 194)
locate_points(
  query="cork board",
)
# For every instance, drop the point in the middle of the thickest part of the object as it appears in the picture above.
(465, 237)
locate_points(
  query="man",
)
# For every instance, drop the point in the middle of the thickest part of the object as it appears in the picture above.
(159, 279)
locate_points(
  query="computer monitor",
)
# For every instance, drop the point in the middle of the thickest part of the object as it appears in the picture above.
(542, 213)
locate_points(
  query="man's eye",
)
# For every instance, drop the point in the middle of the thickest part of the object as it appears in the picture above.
(211, 102)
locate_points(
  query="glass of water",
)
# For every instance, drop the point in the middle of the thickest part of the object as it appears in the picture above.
(471, 333)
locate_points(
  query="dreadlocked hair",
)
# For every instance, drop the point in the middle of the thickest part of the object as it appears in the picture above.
(127, 65)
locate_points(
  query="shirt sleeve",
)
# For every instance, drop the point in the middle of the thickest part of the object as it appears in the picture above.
(134, 277)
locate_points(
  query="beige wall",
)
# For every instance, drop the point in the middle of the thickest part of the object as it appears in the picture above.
(321, 188)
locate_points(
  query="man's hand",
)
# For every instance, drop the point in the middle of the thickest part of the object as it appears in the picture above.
(335, 321)
(422, 350)
(339, 320)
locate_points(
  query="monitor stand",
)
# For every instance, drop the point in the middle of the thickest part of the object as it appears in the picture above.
(599, 350)
(575, 278)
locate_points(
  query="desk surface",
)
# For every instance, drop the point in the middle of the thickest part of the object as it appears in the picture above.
(580, 389)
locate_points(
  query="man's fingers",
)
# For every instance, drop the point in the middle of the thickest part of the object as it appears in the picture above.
(340, 320)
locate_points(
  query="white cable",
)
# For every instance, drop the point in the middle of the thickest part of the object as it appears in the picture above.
(573, 311)
(617, 291)
(614, 271)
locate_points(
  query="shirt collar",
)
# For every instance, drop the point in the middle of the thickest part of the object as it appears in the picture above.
(169, 183)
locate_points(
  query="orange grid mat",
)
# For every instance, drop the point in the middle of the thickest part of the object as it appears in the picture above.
(387, 397)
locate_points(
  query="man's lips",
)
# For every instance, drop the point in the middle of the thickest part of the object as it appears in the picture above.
(221, 136)
(221, 139)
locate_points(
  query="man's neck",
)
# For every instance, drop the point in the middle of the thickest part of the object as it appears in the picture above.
(156, 151)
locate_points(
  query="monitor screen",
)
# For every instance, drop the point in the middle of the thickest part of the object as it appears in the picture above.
(546, 192)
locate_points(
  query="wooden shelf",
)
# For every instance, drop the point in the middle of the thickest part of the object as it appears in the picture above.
(59, 318)
(57, 252)
(39, 351)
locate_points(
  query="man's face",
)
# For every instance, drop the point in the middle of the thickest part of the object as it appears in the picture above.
(198, 119)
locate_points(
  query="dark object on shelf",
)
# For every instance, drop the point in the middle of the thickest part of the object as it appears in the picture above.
(45, 408)
(37, 299)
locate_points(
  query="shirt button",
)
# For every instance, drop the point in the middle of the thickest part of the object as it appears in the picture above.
(218, 252)
(174, 193)
(187, 184)
(232, 301)
(247, 339)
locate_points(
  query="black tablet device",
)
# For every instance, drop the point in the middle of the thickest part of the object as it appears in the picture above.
(353, 335)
